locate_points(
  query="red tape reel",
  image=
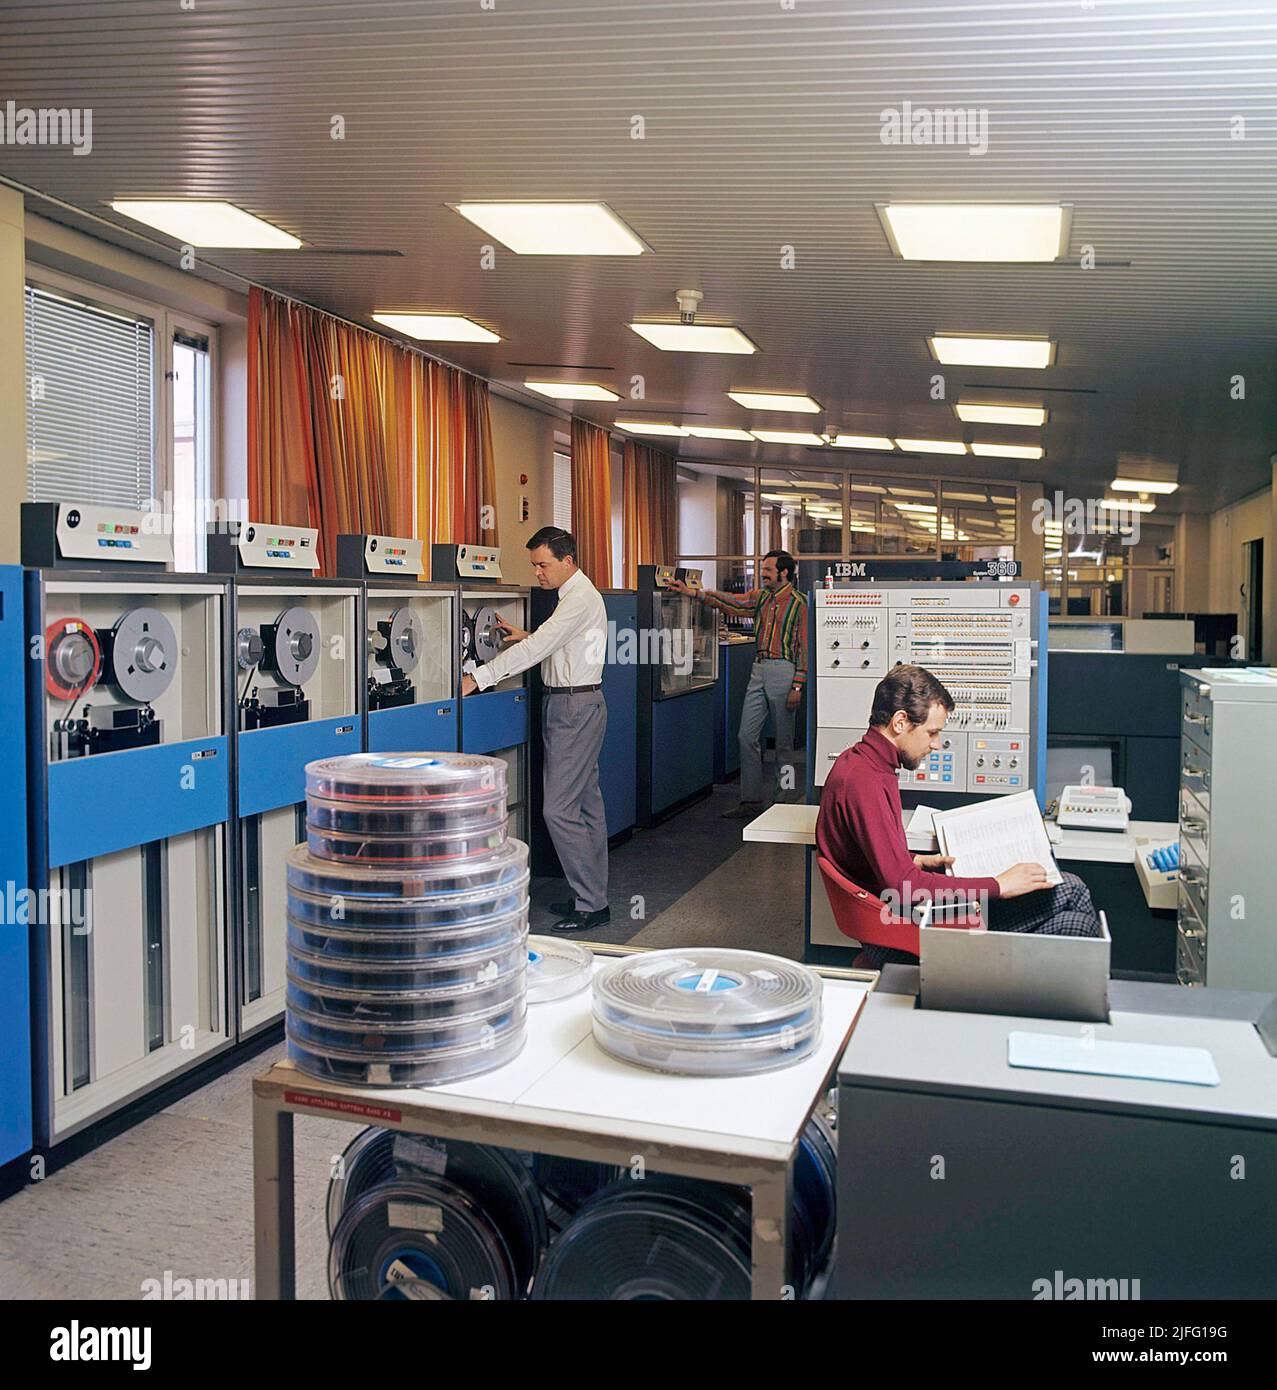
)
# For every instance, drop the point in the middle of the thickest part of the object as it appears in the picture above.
(56, 636)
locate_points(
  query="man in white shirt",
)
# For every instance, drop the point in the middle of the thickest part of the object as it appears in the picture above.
(570, 645)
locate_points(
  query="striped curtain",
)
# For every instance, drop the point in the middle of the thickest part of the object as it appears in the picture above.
(456, 478)
(649, 504)
(592, 501)
(346, 426)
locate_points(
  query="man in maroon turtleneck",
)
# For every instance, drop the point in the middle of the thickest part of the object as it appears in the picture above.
(860, 831)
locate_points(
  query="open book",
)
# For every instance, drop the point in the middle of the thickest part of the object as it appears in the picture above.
(987, 838)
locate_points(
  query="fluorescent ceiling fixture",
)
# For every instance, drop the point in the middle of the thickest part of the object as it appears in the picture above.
(694, 337)
(643, 427)
(769, 400)
(932, 446)
(572, 390)
(867, 487)
(1142, 485)
(201, 223)
(439, 328)
(914, 507)
(959, 350)
(799, 482)
(1125, 504)
(973, 232)
(964, 496)
(975, 414)
(554, 229)
(913, 491)
(705, 432)
(862, 441)
(1009, 451)
(788, 437)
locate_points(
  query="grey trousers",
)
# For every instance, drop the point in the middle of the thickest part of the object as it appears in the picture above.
(769, 686)
(573, 727)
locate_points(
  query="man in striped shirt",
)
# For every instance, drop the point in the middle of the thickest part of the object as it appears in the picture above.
(778, 679)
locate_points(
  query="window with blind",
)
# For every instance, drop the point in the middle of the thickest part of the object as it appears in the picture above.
(90, 402)
(563, 491)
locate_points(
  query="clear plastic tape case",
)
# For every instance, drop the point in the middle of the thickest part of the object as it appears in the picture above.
(406, 780)
(707, 1011)
(440, 887)
(378, 978)
(448, 848)
(437, 1068)
(557, 968)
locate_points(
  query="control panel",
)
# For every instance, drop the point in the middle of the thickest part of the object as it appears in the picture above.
(264, 545)
(395, 555)
(106, 535)
(478, 562)
(977, 639)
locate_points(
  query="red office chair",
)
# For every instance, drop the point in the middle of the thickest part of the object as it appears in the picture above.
(864, 918)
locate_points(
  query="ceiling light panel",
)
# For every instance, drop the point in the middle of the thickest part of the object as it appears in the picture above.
(770, 400)
(203, 223)
(863, 441)
(813, 441)
(572, 390)
(554, 229)
(647, 427)
(975, 232)
(1009, 451)
(962, 350)
(694, 337)
(932, 446)
(973, 413)
(438, 328)
(714, 432)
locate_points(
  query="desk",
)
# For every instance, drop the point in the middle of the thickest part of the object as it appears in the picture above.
(974, 1179)
(1143, 940)
(563, 1095)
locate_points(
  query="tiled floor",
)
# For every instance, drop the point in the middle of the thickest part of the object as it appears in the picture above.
(173, 1195)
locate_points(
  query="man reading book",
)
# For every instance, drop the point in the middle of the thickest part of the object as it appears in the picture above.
(859, 828)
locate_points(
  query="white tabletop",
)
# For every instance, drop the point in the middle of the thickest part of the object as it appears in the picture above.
(795, 824)
(563, 1079)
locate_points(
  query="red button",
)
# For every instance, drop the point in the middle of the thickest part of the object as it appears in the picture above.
(1015, 745)
(979, 779)
(1013, 599)
(922, 777)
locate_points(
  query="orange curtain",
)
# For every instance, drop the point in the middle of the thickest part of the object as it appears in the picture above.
(456, 475)
(649, 492)
(592, 501)
(342, 422)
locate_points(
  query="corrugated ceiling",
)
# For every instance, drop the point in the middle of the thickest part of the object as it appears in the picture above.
(762, 131)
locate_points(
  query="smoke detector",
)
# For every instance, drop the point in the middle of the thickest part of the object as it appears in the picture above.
(688, 302)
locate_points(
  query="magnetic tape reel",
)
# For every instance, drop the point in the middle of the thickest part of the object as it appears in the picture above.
(137, 655)
(292, 646)
(397, 642)
(481, 635)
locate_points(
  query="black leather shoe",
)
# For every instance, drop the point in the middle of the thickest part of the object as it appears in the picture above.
(563, 909)
(583, 921)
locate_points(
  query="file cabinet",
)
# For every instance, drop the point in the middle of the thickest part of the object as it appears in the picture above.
(1227, 926)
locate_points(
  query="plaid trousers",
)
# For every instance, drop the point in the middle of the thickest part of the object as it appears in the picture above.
(1065, 910)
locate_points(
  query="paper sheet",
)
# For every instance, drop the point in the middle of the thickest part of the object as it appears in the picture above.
(921, 822)
(1192, 1066)
(987, 838)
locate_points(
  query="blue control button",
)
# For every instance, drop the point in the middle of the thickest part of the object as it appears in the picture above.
(948, 777)
(1015, 781)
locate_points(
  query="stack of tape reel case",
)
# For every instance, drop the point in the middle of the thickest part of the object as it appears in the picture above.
(407, 921)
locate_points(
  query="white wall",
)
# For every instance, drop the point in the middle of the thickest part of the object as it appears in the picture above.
(522, 443)
(1230, 527)
(13, 395)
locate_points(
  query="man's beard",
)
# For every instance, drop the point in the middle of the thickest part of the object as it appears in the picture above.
(908, 762)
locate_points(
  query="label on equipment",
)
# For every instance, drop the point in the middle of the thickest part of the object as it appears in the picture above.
(414, 1216)
(421, 1153)
(706, 983)
(408, 1284)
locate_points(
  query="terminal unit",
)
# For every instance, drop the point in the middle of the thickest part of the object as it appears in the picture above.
(494, 721)
(983, 640)
(410, 659)
(1227, 929)
(127, 708)
(677, 675)
(294, 665)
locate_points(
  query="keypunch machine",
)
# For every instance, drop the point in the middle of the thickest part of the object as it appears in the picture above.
(493, 721)
(294, 663)
(410, 660)
(127, 701)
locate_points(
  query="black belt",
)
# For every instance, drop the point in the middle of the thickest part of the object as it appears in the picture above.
(570, 689)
